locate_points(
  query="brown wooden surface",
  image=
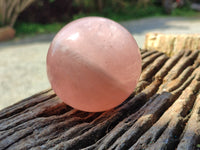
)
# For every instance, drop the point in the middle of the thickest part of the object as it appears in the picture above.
(171, 43)
(163, 113)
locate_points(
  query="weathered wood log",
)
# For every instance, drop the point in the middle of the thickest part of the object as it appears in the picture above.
(191, 135)
(150, 59)
(172, 43)
(163, 113)
(165, 133)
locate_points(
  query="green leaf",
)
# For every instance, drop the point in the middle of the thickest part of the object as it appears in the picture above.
(51, 1)
(198, 145)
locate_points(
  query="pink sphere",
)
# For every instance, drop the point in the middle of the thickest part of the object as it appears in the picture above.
(93, 64)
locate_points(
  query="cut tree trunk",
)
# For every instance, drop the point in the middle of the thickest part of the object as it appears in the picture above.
(172, 43)
(162, 113)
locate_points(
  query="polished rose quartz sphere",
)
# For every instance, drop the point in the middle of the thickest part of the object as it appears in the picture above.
(93, 64)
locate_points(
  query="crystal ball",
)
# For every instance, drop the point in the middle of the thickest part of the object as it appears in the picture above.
(93, 64)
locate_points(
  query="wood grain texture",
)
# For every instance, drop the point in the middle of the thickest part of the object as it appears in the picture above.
(162, 113)
(171, 43)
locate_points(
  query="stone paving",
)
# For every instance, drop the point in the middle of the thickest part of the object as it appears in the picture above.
(22, 62)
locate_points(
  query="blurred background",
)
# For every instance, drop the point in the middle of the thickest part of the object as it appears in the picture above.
(28, 26)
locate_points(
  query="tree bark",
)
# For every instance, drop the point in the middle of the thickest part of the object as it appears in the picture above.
(10, 10)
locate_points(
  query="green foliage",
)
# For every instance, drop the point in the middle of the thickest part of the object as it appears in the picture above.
(1, 23)
(118, 10)
(185, 11)
(23, 28)
(129, 12)
(51, 1)
(198, 145)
